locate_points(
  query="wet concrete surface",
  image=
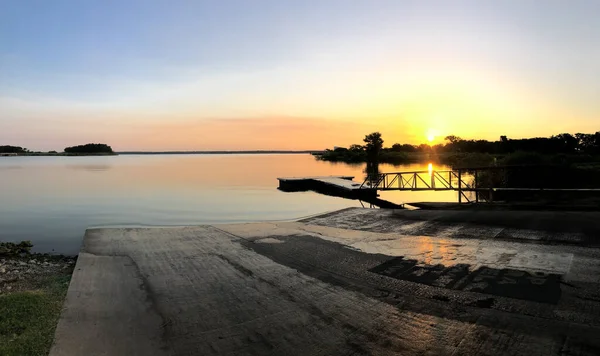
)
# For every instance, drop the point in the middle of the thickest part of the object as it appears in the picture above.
(354, 282)
(562, 227)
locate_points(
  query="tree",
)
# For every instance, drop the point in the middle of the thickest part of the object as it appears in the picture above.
(424, 147)
(12, 149)
(90, 148)
(568, 143)
(396, 147)
(373, 145)
(356, 148)
(453, 139)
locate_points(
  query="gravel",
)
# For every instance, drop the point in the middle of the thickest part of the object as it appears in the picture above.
(25, 273)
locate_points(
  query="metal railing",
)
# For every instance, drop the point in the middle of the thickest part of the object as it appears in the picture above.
(422, 180)
(482, 182)
(419, 180)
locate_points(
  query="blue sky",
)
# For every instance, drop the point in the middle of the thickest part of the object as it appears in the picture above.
(252, 74)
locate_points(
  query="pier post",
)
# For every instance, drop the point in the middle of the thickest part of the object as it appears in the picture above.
(476, 188)
(459, 186)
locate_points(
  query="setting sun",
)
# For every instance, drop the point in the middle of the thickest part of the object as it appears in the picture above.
(431, 135)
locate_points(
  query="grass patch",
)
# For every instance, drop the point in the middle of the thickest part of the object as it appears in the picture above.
(28, 319)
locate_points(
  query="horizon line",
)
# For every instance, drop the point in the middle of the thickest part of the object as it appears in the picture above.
(220, 151)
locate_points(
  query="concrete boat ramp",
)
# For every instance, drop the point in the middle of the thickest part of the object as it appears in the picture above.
(352, 282)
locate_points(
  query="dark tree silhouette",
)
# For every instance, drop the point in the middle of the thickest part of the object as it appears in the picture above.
(356, 148)
(584, 146)
(373, 146)
(12, 149)
(453, 139)
(90, 148)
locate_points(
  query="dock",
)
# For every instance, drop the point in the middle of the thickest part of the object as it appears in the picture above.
(330, 185)
(473, 185)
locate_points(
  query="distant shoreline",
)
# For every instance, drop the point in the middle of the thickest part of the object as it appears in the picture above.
(215, 152)
(62, 154)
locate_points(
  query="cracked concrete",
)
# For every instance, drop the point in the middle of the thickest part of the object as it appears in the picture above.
(319, 288)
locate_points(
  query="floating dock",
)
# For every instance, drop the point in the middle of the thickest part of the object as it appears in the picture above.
(342, 186)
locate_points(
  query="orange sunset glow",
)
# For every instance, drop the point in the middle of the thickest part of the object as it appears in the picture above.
(414, 74)
(299, 177)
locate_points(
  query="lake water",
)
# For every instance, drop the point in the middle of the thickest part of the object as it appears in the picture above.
(52, 200)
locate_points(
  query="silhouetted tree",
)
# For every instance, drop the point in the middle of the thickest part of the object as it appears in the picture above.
(356, 148)
(396, 147)
(424, 148)
(453, 139)
(373, 146)
(90, 148)
(12, 149)
(568, 143)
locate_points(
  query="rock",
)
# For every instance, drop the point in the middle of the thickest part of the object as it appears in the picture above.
(45, 263)
(8, 287)
(33, 262)
(21, 263)
(2, 270)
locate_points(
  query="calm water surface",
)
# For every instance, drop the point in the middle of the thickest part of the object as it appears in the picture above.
(52, 200)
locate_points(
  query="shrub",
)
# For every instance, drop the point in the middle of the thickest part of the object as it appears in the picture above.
(12, 249)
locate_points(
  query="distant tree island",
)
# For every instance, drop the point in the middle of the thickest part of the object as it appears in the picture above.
(562, 148)
(90, 149)
(12, 150)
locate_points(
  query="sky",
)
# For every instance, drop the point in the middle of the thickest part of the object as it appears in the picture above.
(297, 74)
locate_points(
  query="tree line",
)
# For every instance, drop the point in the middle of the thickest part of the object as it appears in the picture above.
(562, 143)
(90, 148)
(373, 150)
(12, 149)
